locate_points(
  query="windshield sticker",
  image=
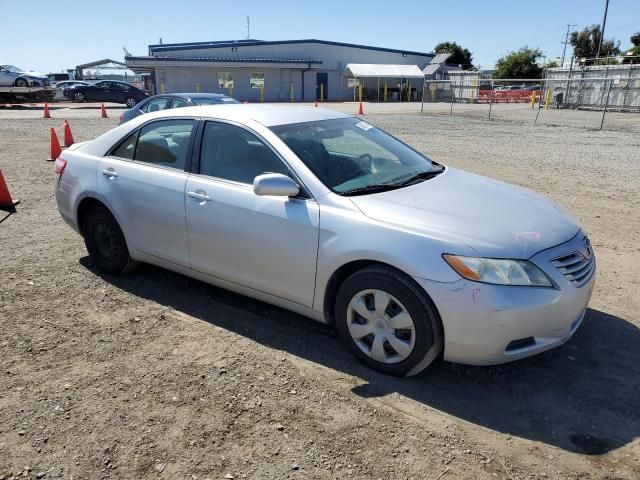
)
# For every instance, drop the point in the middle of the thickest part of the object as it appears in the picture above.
(364, 126)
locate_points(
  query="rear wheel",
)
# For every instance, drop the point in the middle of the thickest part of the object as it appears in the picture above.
(388, 322)
(79, 97)
(130, 102)
(105, 242)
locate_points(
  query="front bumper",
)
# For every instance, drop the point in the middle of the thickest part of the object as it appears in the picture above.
(491, 324)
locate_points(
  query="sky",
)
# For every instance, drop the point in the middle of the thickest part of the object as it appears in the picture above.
(59, 35)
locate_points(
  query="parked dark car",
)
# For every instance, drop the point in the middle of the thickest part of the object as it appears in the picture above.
(174, 100)
(106, 91)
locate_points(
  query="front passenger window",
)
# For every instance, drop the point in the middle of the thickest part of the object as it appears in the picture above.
(164, 143)
(233, 153)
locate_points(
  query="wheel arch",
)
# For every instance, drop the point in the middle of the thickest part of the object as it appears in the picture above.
(85, 204)
(343, 272)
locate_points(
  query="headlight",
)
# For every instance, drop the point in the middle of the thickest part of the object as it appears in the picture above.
(498, 271)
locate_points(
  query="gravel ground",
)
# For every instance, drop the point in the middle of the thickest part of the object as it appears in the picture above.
(154, 375)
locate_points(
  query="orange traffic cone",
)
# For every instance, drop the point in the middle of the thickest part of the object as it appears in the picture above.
(360, 110)
(6, 203)
(103, 111)
(68, 138)
(55, 145)
(46, 110)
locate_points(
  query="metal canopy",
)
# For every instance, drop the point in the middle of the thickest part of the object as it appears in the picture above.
(359, 70)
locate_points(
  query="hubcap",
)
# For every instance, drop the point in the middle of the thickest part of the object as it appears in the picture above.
(381, 326)
(131, 102)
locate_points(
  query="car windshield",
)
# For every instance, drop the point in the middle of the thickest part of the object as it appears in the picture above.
(213, 100)
(351, 156)
(13, 69)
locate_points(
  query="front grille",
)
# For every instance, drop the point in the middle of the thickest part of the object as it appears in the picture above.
(576, 266)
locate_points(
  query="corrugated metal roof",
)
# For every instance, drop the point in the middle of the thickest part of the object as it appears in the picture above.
(241, 43)
(224, 59)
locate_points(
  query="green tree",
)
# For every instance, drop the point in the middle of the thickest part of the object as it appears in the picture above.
(522, 63)
(633, 54)
(585, 43)
(459, 55)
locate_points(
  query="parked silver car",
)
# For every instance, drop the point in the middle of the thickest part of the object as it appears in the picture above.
(326, 215)
(11, 76)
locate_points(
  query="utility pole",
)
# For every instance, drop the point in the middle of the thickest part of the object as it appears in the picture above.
(566, 41)
(248, 28)
(604, 23)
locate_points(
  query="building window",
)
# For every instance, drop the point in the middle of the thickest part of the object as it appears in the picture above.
(225, 80)
(256, 79)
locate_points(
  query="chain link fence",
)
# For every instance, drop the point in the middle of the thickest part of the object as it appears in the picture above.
(594, 97)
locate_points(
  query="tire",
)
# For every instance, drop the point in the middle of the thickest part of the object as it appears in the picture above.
(21, 82)
(105, 242)
(79, 97)
(130, 102)
(421, 344)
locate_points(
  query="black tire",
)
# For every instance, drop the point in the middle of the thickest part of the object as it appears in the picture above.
(130, 102)
(79, 97)
(427, 325)
(21, 82)
(105, 242)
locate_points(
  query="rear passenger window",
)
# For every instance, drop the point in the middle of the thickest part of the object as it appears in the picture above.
(126, 148)
(164, 143)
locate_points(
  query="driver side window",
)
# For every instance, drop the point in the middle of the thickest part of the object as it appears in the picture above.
(233, 153)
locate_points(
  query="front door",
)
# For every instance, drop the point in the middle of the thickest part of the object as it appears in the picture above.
(322, 78)
(269, 244)
(144, 180)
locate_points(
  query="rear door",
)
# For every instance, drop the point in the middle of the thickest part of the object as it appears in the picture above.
(100, 92)
(269, 244)
(144, 179)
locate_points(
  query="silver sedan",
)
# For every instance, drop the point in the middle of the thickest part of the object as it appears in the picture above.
(327, 215)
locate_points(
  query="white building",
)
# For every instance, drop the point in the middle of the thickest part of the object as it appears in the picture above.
(278, 70)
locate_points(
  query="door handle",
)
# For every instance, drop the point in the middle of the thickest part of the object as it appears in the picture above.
(203, 197)
(109, 173)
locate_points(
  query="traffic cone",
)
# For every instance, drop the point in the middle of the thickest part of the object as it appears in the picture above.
(360, 110)
(46, 110)
(6, 203)
(68, 138)
(103, 111)
(55, 145)
(316, 103)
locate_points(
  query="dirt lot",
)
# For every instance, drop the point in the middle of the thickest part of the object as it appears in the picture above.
(154, 375)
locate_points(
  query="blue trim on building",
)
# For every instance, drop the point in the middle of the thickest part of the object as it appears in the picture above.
(247, 43)
(227, 60)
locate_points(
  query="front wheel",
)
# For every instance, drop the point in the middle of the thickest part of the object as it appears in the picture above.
(388, 322)
(21, 82)
(130, 102)
(79, 97)
(105, 242)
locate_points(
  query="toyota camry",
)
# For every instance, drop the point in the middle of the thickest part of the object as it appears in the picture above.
(329, 216)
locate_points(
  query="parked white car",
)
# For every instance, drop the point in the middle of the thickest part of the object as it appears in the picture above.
(326, 215)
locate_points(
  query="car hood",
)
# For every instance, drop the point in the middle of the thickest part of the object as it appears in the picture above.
(493, 218)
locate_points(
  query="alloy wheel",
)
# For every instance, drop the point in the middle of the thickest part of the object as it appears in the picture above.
(381, 326)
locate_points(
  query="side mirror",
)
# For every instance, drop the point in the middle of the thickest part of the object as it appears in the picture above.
(276, 185)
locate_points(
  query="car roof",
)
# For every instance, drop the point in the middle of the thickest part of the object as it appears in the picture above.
(267, 115)
(195, 95)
